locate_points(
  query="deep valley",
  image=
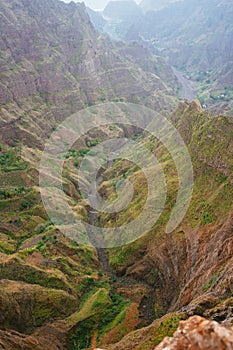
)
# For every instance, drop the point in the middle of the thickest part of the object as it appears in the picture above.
(64, 293)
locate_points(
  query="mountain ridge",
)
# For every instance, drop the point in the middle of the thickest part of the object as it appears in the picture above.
(78, 69)
(193, 36)
(57, 294)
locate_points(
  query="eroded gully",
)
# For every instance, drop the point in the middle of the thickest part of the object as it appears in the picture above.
(147, 304)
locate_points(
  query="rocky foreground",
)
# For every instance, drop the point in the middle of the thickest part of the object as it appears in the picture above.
(197, 333)
(57, 294)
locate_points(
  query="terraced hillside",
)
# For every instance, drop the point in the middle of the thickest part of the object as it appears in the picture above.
(53, 63)
(190, 269)
(59, 288)
(194, 36)
(56, 293)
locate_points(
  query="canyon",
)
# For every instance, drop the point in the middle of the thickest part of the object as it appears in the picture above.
(161, 290)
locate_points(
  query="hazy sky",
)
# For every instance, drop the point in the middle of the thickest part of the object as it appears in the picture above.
(96, 4)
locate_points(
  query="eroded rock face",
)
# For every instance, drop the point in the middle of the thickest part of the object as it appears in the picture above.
(23, 307)
(12, 340)
(197, 258)
(54, 63)
(198, 333)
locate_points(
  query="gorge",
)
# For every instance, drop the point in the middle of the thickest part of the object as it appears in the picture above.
(58, 293)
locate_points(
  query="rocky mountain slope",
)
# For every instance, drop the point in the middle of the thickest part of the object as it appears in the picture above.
(120, 16)
(190, 269)
(97, 19)
(56, 293)
(59, 289)
(194, 36)
(53, 63)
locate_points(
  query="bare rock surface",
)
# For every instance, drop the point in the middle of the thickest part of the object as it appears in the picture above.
(197, 333)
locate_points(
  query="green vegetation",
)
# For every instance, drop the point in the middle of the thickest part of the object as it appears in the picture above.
(92, 143)
(17, 270)
(14, 192)
(213, 192)
(24, 201)
(51, 304)
(69, 276)
(11, 161)
(73, 153)
(221, 95)
(88, 316)
(115, 314)
(25, 204)
(44, 227)
(159, 311)
(101, 312)
(7, 243)
(207, 213)
(166, 328)
(44, 257)
(212, 280)
(214, 95)
(81, 339)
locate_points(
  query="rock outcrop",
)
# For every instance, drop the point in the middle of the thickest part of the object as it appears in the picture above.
(198, 333)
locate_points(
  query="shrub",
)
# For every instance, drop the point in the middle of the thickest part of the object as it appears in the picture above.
(24, 204)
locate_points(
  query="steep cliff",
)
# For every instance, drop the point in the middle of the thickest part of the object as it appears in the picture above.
(191, 268)
(53, 63)
(56, 293)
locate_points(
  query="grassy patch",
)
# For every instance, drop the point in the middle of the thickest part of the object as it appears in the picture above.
(11, 161)
(206, 286)
(14, 192)
(18, 271)
(96, 302)
(51, 304)
(7, 244)
(166, 328)
(101, 312)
